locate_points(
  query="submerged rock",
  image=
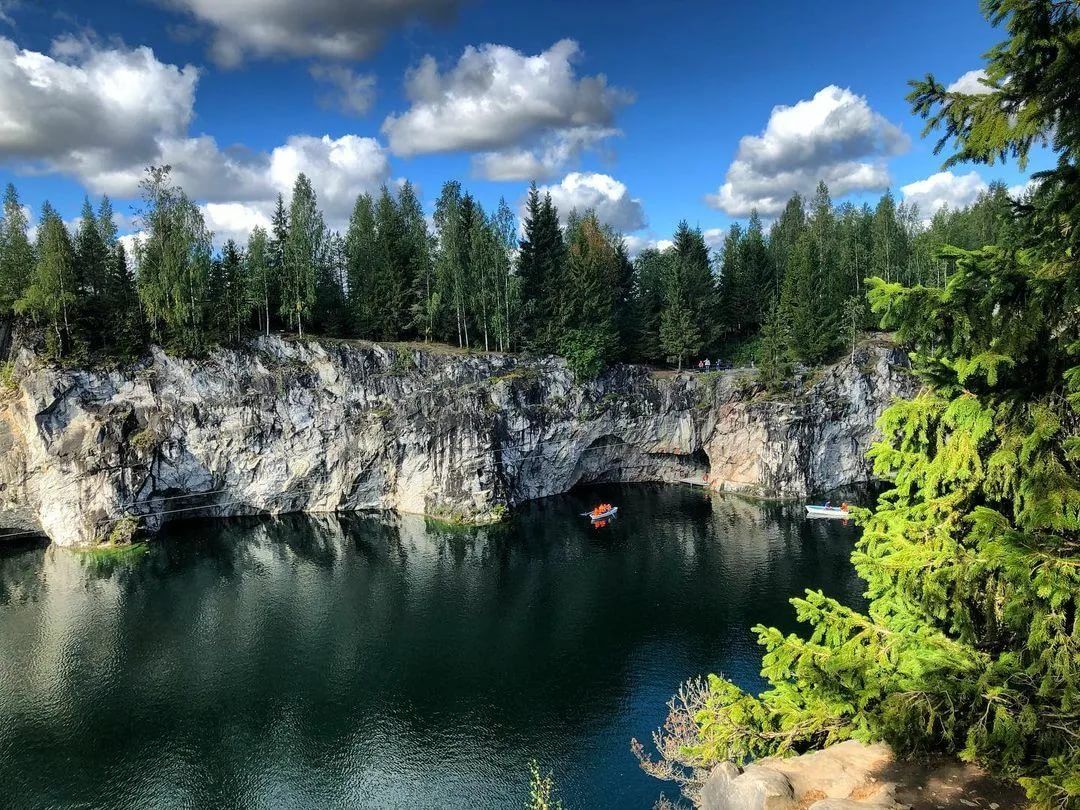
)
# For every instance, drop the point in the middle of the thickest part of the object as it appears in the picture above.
(321, 426)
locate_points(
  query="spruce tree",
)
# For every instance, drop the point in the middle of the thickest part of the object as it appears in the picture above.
(360, 253)
(52, 298)
(259, 271)
(697, 285)
(16, 254)
(971, 641)
(588, 327)
(92, 270)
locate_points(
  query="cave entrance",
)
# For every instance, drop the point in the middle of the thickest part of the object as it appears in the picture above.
(611, 459)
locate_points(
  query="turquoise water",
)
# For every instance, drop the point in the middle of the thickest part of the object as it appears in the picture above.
(384, 661)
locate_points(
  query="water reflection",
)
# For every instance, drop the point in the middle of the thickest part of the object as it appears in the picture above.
(388, 661)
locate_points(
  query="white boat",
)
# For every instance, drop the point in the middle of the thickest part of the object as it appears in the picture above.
(827, 512)
(603, 515)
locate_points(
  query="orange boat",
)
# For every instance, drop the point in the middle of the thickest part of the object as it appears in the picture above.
(601, 512)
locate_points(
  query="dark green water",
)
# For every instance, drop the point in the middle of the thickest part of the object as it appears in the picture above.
(383, 662)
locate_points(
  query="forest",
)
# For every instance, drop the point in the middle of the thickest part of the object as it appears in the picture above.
(792, 293)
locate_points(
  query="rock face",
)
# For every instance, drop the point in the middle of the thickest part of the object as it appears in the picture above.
(323, 426)
(846, 776)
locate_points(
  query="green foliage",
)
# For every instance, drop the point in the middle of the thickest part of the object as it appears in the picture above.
(174, 264)
(16, 254)
(50, 298)
(971, 642)
(302, 251)
(773, 353)
(123, 531)
(543, 795)
(8, 383)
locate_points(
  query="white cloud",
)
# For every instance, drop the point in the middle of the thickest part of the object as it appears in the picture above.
(943, 189)
(605, 195)
(327, 29)
(834, 136)
(636, 244)
(529, 115)
(714, 237)
(234, 221)
(106, 108)
(339, 169)
(351, 92)
(101, 114)
(970, 83)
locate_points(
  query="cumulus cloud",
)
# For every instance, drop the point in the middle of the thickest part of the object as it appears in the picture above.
(339, 169)
(234, 220)
(86, 106)
(102, 114)
(635, 244)
(528, 115)
(834, 136)
(351, 92)
(970, 83)
(943, 189)
(326, 29)
(610, 199)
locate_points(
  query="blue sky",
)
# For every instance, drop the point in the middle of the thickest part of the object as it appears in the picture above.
(638, 109)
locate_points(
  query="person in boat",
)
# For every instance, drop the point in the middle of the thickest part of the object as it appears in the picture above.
(844, 506)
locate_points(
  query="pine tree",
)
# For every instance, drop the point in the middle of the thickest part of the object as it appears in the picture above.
(758, 286)
(230, 298)
(91, 276)
(697, 285)
(588, 327)
(774, 350)
(360, 254)
(52, 295)
(650, 275)
(387, 294)
(415, 269)
(278, 235)
(260, 274)
(16, 254)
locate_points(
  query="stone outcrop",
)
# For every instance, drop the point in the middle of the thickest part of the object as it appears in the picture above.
(846, 776)
(286, 425)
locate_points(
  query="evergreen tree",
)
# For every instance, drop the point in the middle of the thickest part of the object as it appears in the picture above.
(774, 350)
(588, 329)
(259, 271)
(360, 254)
(733, 288)
(970, 642)
(16, 254)
(52, 295)
(651, 271)
(91, 277)
(808, 308)
(415, 271)
(888, 251)
(230, 296)
(387, 294)
(758, 287)
(278, 235)
(331, 312)
(783, 237)
(302, 251)
(696, 284)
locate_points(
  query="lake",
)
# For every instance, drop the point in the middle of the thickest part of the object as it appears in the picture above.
(388, 661)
